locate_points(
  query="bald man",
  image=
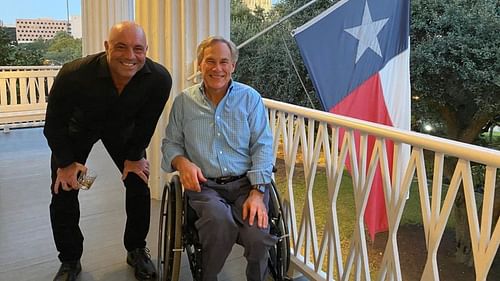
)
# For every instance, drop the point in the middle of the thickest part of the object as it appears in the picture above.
(116, 96)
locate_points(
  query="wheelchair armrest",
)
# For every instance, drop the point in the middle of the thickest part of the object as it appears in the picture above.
(170, 176)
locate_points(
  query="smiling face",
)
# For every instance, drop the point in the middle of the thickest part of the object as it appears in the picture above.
(216, 67)
(125, 51)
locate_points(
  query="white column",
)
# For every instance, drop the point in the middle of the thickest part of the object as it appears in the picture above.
(173, 29)
(97, 19)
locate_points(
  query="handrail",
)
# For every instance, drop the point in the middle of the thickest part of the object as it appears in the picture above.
(454, 148)
(30, 68)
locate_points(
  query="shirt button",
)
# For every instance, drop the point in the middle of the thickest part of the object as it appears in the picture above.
(220, 152)
(218, 117)
(218, 134)
(225, 169)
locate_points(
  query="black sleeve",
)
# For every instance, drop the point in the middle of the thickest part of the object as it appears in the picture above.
(59, 108)
(147, 116)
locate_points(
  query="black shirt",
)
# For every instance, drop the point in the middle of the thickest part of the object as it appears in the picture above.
(84, 106)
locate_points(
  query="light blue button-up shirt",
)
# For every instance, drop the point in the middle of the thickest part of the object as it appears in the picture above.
(231, 139)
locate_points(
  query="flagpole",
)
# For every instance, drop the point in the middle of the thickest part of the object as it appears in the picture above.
(67, 17)
(275, 24)
(266, 30)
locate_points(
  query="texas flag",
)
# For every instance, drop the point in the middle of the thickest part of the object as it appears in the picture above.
(357, 55)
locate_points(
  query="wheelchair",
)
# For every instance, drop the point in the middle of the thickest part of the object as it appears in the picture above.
(177, 234)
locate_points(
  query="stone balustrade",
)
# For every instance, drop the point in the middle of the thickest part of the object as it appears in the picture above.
(23, 95)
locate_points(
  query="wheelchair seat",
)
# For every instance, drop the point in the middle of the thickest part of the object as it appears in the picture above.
(177, 233)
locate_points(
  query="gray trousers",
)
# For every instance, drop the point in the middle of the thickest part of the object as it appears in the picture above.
(220, 226)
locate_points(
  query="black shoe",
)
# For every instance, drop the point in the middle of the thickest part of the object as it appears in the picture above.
(140, 259)
(68, 271)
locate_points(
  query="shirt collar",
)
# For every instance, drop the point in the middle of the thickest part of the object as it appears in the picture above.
(229, 89)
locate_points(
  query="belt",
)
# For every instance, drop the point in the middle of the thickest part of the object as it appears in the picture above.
(226, 179)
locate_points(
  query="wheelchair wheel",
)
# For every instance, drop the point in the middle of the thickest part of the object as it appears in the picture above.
(191, 241)
(279, 254)
(170, 235)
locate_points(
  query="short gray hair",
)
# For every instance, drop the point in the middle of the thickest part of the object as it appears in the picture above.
(213, 39)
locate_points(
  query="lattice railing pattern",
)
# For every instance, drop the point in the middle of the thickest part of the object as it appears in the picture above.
(343, 142)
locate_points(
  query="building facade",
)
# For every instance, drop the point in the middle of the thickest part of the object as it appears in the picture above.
(75, 22)
(253, 4)
(29, 30)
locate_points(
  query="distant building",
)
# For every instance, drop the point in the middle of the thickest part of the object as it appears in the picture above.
(76, 26)
(29, 30)
(253, 4)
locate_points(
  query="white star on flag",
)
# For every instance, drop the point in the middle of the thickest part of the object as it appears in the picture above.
(367, 33)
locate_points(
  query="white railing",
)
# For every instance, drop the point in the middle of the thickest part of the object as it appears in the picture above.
(319, 135)
(29, 68)
(23, 94)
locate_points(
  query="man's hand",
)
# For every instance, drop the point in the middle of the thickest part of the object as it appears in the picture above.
(140, 168)
(67, 177)
(254, 206)
(189, 173)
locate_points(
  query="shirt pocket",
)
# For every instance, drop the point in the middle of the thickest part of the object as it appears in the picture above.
(236, 128)
(197, 125)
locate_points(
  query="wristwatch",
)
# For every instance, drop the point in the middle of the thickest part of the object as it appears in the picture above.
(260, 187)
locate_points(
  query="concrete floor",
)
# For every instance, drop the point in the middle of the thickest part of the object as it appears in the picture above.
(27, 251)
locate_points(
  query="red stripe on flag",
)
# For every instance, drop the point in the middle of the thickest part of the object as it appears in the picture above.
(367, 103)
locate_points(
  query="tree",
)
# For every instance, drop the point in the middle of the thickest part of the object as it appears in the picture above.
(30, 53)
(455, 63)
(12, 54)
(455, 66)
(6, 49)
(63, 48)
(265, 62)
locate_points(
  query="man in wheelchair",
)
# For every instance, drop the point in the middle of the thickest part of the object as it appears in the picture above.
(218, 138)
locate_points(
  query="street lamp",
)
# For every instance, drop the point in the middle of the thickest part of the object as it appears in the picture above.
(428, 127)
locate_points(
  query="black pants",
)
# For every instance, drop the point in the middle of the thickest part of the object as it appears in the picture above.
(65, 208)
